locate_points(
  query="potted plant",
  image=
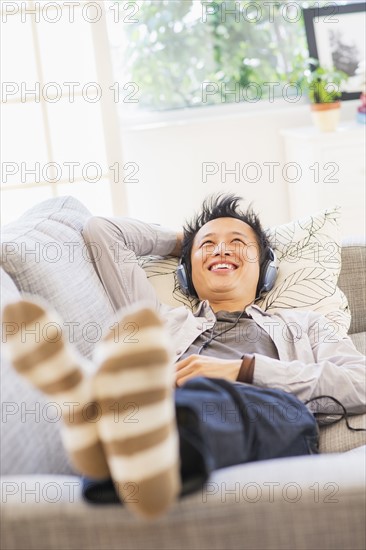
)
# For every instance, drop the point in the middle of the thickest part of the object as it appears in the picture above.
(324, 89)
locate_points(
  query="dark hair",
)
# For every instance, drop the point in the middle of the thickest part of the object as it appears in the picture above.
(222, 206)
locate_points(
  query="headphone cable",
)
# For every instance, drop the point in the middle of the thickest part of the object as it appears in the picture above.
(344, 415)
(208, 342)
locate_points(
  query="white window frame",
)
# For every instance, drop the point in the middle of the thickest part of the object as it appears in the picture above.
(111, 128)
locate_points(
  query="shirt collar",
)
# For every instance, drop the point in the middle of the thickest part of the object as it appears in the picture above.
(204, 310)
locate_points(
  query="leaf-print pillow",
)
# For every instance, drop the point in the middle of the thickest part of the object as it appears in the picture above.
(309, 259)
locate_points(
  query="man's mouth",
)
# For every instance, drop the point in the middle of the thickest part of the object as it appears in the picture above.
(223, 266)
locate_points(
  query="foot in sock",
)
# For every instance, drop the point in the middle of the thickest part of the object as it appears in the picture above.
(39, 352)
(134, 389)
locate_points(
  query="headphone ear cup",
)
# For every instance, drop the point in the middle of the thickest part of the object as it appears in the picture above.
(182, 278)
(268, 273)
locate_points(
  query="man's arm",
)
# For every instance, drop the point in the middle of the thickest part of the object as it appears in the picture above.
(337, 370)
(114, 244)
(332, 367)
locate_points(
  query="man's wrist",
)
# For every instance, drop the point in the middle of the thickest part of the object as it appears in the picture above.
(246, 371)
(177, 250)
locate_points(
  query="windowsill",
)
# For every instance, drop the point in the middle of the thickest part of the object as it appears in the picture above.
(196, 115)
(311, 133)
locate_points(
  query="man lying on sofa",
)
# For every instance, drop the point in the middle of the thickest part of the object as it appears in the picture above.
(175, 394)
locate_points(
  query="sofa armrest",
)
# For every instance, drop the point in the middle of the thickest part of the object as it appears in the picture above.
(315, 501)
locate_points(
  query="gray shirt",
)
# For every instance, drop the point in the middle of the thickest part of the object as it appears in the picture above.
(233, 334)
(314, 356)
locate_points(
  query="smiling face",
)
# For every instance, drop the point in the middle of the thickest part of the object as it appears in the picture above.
(225, 263)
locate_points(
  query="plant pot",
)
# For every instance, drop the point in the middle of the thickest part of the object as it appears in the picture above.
(326, 115)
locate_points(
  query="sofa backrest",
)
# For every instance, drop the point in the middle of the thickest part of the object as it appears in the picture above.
(352, 280)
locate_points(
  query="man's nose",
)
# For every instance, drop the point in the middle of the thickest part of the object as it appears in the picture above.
(222, 249)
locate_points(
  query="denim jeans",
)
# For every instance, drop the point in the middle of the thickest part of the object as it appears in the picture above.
(221, 424)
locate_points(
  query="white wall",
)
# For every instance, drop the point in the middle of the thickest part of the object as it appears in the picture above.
(170, 156)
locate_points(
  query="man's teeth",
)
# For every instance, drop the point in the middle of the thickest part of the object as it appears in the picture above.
(222, 266)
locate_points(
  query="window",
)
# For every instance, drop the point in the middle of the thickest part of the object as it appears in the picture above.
(56, 138)
(175, 54)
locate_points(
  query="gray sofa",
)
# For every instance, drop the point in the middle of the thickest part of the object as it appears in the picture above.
(312, 502)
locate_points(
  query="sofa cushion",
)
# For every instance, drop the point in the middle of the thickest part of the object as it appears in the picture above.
(309, 259)
(45, 254)
(338, 438)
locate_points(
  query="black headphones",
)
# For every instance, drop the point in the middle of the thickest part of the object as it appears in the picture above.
(267, 276)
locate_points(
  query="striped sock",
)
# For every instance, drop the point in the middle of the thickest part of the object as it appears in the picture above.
(134, 388)
(38, 352)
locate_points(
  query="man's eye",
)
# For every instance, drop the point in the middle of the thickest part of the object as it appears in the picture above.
(206, 242)
(238, 240)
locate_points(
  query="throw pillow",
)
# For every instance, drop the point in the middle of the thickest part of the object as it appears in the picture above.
(45, 254)
(309, 255)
